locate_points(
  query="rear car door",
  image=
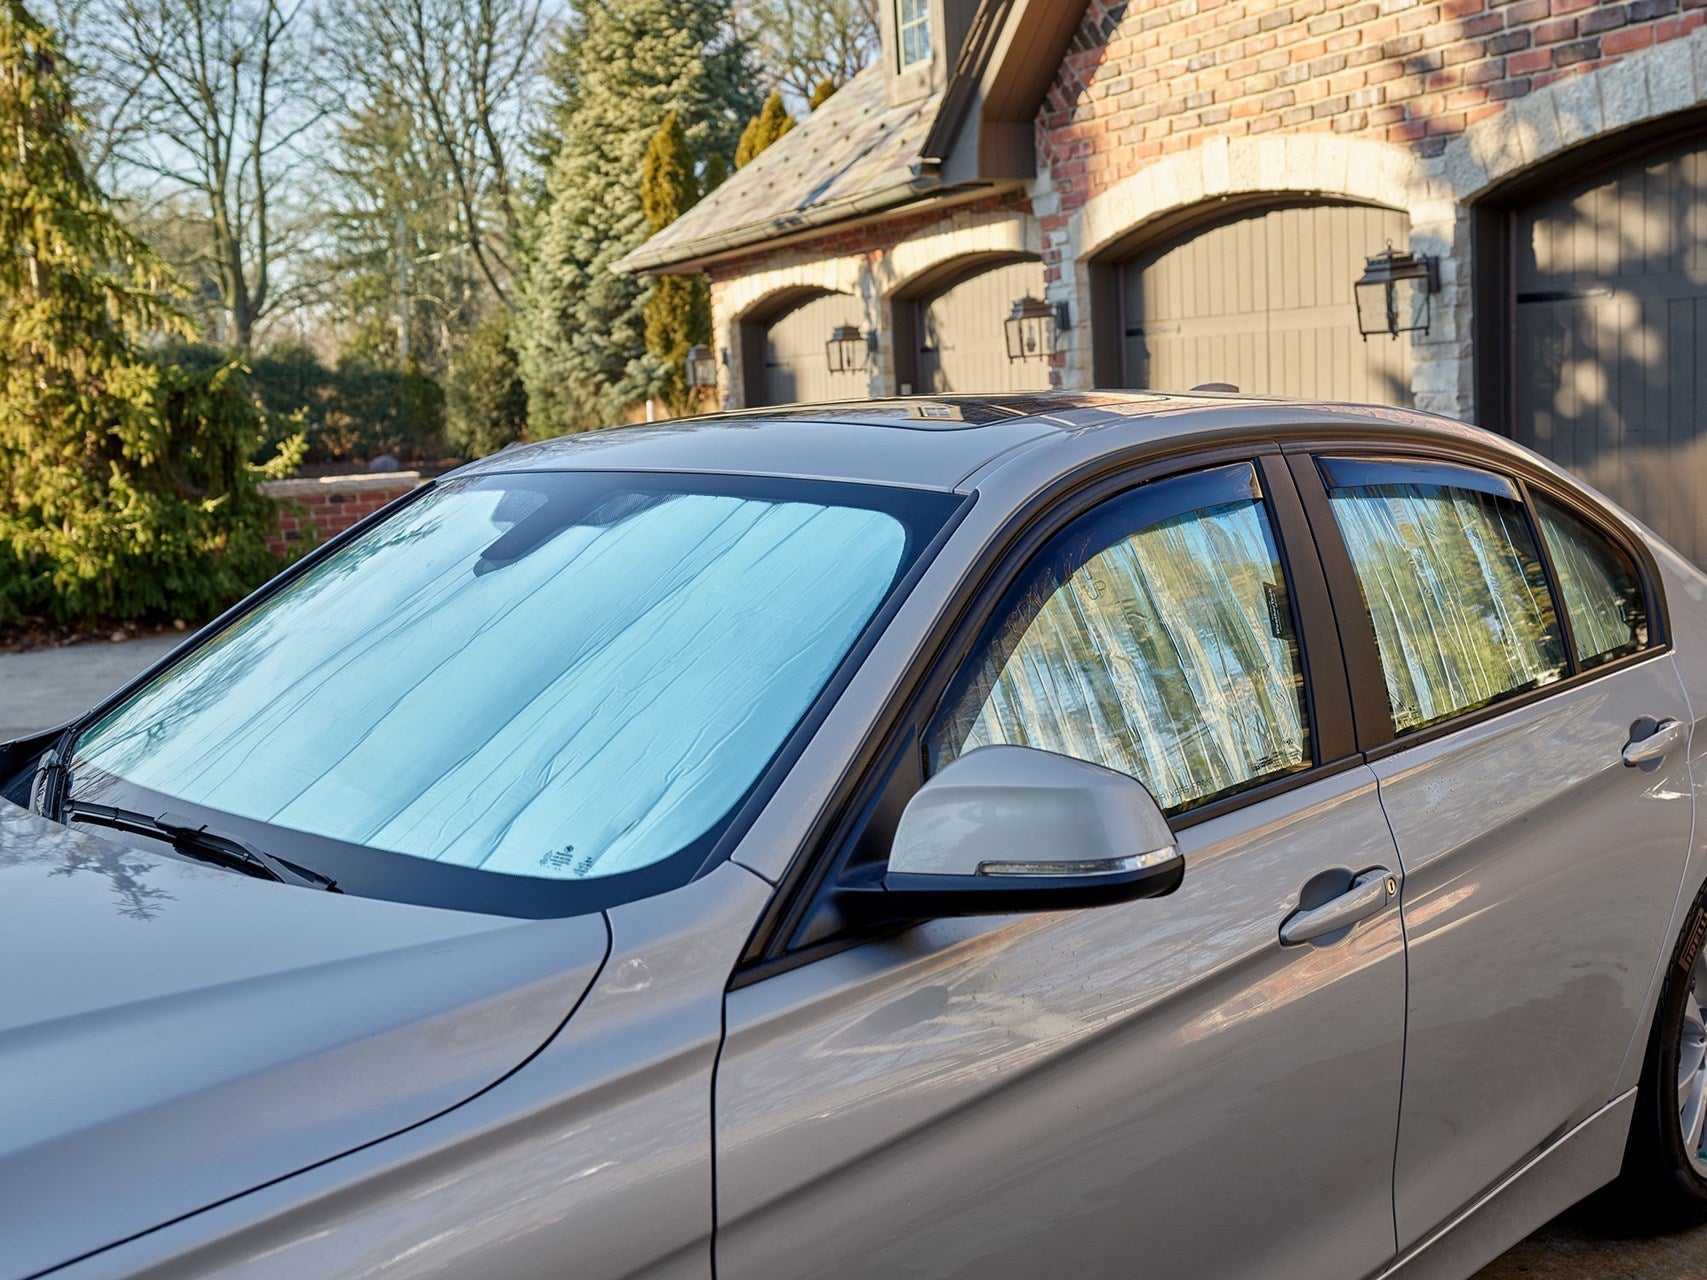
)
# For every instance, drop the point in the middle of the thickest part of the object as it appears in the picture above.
(1160, 1087)
(1529, 738)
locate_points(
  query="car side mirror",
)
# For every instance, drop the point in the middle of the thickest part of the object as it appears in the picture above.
(1015, 829)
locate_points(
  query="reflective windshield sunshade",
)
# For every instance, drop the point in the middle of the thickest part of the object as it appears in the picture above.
(561, 675)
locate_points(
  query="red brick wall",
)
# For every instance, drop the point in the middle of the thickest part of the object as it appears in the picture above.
(1146, 79)
(311, 511)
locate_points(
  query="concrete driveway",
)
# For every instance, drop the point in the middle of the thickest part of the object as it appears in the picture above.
(45, 688)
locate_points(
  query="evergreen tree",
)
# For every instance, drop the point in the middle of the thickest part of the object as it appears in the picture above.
(823, 93)
(678, 309)
(763, 129)
(128, 490)
(486, 406)
(716, 173)
(581, 340)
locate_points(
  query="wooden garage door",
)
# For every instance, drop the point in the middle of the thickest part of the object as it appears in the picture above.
(1611, 336)
(962, 344)
(1265, 302)
(792, 348)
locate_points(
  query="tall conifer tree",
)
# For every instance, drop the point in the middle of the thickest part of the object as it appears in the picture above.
(581, 340)
(763, 129)
(126, 490)
(678, 308)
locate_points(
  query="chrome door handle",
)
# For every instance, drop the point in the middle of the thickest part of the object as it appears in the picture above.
(1666, 737)
(1369, 893)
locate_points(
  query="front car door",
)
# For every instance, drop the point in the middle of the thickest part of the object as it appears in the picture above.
(1159, 1087)
(1541, 869)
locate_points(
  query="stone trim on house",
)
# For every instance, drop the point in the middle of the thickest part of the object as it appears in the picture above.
(1162, 113)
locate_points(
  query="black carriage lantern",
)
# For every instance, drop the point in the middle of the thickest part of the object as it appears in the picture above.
(846, 349)
(1393, 293)
(1031, 328)
(701, 366)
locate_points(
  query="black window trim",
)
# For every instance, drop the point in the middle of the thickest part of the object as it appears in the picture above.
(900, 729)
(1371, 712)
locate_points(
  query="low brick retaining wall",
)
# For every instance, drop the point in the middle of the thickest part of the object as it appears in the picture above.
(311, 511)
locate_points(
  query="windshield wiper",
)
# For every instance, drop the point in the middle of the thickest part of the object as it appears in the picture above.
(194, 840)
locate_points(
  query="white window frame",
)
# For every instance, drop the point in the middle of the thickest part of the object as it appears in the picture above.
(921, 23)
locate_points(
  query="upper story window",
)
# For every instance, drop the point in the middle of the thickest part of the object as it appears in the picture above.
(913, 29)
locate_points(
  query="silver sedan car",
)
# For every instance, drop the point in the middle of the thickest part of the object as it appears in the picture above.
(1070, 835)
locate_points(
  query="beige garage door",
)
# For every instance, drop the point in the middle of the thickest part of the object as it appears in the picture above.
(963, 346)
(791, 347)
(1611, 335)
(1265, 301)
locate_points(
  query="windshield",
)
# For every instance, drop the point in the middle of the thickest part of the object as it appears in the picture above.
(562, 676)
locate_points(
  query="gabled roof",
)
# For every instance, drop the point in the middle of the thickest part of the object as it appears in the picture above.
(855, 154)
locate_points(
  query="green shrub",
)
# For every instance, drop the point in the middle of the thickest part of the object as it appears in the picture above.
(293, 388)
(486, 406)
(175, 530)
(128, 488)
(375, 408)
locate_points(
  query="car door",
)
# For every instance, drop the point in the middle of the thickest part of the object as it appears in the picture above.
(1535, 776)
(1160, 1087)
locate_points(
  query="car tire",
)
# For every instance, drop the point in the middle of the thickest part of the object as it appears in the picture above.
(1663, 1185)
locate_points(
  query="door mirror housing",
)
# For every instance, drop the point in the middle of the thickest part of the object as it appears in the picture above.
(1014, 829)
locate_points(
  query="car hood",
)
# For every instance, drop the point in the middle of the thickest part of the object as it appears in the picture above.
(173, 1034)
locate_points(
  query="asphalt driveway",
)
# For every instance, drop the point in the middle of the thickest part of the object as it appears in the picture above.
(47, 687)
(1573, 1247)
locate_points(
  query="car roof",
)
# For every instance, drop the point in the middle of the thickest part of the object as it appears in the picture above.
(943, 442)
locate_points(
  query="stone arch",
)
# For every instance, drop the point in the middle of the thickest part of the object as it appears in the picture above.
(1356, 169)
(1225, 174)
(1645, 86)
(963, 237)
(746, 300)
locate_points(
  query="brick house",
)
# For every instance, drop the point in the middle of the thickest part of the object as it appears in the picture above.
(1195, 187)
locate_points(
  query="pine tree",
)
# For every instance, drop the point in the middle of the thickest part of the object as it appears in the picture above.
(716, 173)
(678, 309)
(763, 129)
(581, 340)
(127, 486)
(823, 93)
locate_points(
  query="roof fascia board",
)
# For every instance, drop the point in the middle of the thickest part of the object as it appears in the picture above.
(875, 207)
(984, 130)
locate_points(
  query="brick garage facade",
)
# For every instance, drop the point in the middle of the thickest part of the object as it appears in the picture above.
(311, 511)
(874, 262)
(1159, 111)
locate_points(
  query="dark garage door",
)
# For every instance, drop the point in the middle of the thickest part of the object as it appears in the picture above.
(788, 352)
(1610, 277)
(1264, 301)
(962, 342)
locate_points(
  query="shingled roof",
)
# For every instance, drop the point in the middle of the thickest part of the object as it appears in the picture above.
(855, 154)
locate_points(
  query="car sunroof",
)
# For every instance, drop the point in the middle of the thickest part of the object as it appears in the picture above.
(946, 413)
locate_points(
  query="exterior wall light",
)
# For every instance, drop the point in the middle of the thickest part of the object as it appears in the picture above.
(846, 351)
(1032, 326)
(701, 366)
(1393, 293)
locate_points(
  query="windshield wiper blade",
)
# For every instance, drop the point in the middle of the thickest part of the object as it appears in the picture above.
(194, 840)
